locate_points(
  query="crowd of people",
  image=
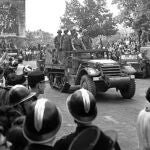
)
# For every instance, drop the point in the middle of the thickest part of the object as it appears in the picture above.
(29, 122)
(8, 19)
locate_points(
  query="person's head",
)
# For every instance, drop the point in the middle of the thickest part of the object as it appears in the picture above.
(20, 59)
(59, 32)
(73, 31)
(82, 106)
(27, 69)
(13, 79)
(76, 35)
(7, 116)
(16, 138)
(143, 129)
(42, 122)
(66, 31)
(36, 81)
(14, 65)
(20, 98)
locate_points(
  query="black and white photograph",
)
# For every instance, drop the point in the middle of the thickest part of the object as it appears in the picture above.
(74, 75)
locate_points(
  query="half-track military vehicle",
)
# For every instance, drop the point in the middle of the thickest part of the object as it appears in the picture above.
(94, 71)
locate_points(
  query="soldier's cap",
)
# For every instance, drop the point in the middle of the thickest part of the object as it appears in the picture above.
(13, 79)
(36, 76)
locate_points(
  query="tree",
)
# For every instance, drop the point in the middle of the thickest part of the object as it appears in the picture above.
(134, 13)
(91, 15)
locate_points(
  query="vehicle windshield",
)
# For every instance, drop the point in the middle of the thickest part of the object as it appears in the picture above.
(93, 54)
(129, 57)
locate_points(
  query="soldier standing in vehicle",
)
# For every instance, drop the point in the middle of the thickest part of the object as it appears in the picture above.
(77, 45)
(57, 43)
(65, 45)
(87, 41)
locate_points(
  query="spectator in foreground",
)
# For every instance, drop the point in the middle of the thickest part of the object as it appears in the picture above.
(41, 125)
(143, 129)
(82, 106)
(16, 138)
(36, 81)
(20, 98)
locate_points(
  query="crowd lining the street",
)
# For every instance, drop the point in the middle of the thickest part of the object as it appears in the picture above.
(28, 122)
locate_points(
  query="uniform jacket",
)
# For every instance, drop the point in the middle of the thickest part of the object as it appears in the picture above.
(104, 142)
(38, 147)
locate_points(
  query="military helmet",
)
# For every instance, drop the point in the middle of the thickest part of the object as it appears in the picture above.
(42, 122)
(82, 106)
(19, 94)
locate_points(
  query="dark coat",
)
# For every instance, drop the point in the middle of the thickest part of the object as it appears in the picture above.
(4, 97)
(103, 143)
(38, 147)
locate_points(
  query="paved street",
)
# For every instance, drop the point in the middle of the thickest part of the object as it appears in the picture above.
(113, 112)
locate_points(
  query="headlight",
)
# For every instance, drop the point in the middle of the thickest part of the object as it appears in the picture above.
(93, 72)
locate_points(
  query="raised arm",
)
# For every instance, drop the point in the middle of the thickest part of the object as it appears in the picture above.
(4, 56)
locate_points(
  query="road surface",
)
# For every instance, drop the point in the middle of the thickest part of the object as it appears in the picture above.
(114, 112)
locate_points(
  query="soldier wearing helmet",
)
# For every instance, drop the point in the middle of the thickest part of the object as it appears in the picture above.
(87, 41)
(20, 98)
(12, 80)
(82, 106)
(57, 43)
(65, 45)
(42, 122)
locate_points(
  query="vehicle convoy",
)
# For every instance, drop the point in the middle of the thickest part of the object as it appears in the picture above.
(95, 72)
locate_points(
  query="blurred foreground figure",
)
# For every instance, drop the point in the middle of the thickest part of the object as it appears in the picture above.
(20, 98)
(82, 106)
(36, 82)
(143, 129)
(41, 125)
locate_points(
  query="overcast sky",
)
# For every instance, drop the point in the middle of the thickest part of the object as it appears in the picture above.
(45, 14)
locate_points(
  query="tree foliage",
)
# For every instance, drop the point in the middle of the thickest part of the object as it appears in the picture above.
(39, 37)
(134, 13)
(91, 15)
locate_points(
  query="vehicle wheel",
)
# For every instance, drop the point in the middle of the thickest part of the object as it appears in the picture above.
(87, 83)
(128, 91)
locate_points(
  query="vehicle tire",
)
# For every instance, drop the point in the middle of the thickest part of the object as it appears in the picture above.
(87, 83)
(128, 91)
